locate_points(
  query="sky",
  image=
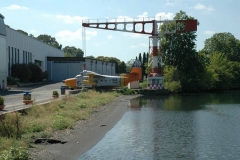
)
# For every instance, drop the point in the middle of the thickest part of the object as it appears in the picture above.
(62, 19)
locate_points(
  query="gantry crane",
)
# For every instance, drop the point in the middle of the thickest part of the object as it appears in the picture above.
(155, 79)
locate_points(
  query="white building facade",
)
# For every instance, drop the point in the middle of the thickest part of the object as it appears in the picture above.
(18, 48)
(3, 54)
(24, 49)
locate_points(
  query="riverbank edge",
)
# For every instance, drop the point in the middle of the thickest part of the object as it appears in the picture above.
(85, 134)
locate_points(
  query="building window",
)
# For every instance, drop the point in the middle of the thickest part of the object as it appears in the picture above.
(9, 60)
(23, 57)
(26, 58)
(30, 57)
(12, 56)
(18, 56)
(15, 56)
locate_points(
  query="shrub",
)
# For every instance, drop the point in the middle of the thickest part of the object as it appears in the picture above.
(12, 125)
(13, 152)
(143, 84)
(126, 91)
(26, 97)
(36, 71)
(1, 100)
(22, 72)
(45, 75)
(60, 122)
(174, 86)
(55, 93)
(11, 81)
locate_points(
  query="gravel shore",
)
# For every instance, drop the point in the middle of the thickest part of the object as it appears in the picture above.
(85, 134)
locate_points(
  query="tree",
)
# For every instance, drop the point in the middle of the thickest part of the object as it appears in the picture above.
(31, 35)
(49, 40)
(72, 52)
(179, 51)
(143, 66)
(120, 67)
(21, 71)
(221, 71)
(140, 57)
(23, 32)
(91, 57)
(129, 65)
(36, 72)
(224, 43)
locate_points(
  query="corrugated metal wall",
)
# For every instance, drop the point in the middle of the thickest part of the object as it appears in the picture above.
(61, 70)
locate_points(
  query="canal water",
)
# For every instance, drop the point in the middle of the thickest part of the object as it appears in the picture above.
(199, 126)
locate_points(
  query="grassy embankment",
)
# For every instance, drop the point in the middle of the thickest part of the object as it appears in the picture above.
(18, 129)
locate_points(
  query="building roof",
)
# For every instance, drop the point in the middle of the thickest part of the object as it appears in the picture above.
(2, 16)
(2, 26)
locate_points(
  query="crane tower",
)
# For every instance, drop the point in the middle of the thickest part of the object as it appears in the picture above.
(155, 79)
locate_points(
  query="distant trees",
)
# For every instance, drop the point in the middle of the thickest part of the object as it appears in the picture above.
(72, 52)
(221, 55)
(120, 66)
(216, 66)
(144, 60)
(23, 32)
(49, 40)
(224, 43)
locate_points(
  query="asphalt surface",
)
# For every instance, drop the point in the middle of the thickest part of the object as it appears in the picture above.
(40, 94)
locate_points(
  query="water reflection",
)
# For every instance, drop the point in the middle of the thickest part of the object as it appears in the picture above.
(201, 126)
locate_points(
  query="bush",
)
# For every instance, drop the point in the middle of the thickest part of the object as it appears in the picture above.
(12, 126)
(22, 72)
(27, 72)
(20, 153)
(126, 91)
(143, 84)
(36, 71)
(1, 100)
(60, 122)
(174, 86)
(45, 75)
(55, 93)
(11, 81)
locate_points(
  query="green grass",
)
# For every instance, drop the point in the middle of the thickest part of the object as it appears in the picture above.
(40, 121)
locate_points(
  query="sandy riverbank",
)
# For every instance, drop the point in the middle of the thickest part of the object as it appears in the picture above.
(85, 134)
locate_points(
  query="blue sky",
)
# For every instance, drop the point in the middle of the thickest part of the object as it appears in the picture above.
(62, 19)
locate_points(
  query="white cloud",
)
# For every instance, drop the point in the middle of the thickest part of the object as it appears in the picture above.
(33, 31)
(200, 6)
(139, 45)
(69, 19)
(168, 3)
(145, 14)
(16, 7)
(208, 32)
(67, 35)
(164, 16)
(109, 36)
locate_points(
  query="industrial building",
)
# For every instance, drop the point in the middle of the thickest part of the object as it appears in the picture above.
(60, 68)
(17, 48)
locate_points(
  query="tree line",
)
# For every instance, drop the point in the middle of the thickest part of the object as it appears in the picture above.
(216, 66)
